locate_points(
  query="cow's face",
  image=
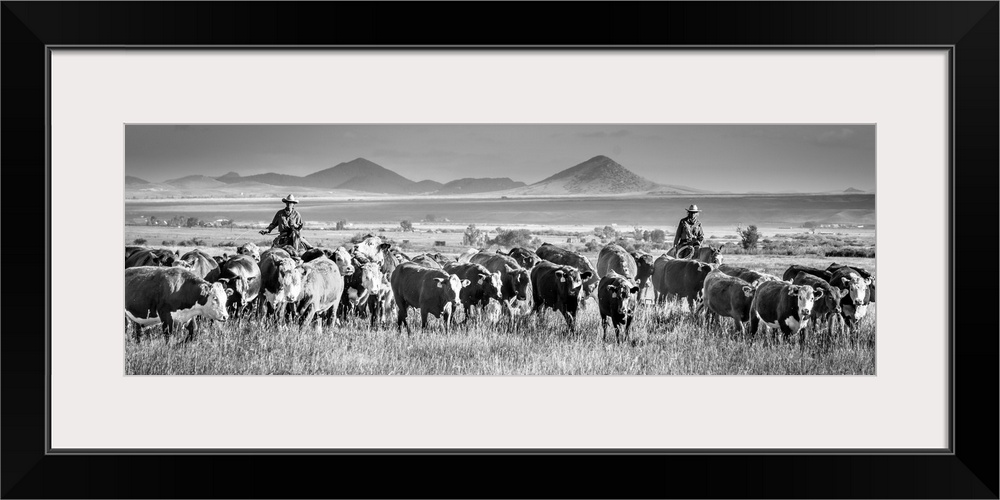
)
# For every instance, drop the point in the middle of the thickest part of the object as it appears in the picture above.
(492, 285)
(371, 248)
(371, 277)
(236, 288)
(571, 280)
(856, 286)
(622, 300)
(289, 280)
(215, 298)
(805, 298)
(521, 280)
(451, 286)
(716, 255)
(249, 249)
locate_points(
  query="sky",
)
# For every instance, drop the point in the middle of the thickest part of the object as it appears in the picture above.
(736, 158)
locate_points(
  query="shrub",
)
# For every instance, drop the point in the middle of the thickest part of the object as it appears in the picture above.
(511, 238)
(473, 237)
(227, 244)
(748, 236)
(430, 218)
(658, 236)
(341, 224)
(593, 245)
(406, 225)
(168, 243)
(139, 241)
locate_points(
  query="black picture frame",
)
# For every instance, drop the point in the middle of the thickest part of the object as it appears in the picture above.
(969, 30)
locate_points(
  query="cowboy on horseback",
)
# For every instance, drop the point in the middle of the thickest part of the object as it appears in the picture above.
(689, 236)
(289, 224)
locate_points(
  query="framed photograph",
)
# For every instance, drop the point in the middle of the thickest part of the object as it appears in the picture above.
(657, 252)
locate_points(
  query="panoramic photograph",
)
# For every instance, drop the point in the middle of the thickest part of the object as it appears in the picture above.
(500, 249)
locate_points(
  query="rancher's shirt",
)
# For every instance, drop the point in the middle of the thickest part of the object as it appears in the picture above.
(286, 221)
(689, 230)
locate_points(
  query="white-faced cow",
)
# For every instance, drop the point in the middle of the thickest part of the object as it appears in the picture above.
(250, 250)
(617, 297)
(681, 278)
(433, 291)
(483, 286)
(322, 287)
(281, 279)
(827, 309)
(339, 256)
(564, 257)
(559, 287)
(240, 275)
(171, 296)
(784, 307)
(834, 267)
(728, 296)
(514, 279)
(854, 304)
(371, 247)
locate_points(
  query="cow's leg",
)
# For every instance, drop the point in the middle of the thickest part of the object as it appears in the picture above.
(423, 319)
(137, 331)
(604, 327)
(192, 328)
(401, 319)
(628, 327)
(754, 324)
(167, 322)
(569, 321)
(306, 314)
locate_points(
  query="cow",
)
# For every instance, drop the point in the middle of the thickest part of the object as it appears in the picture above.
(684, 278)
(784, 307)
(725, 295)
(644, 270)
(240, 275)
(615, 300)
(281, 279)
(154, 257)
(854, 303)
(433, 291)
(750, 276)
(339, 256)
(131, 249)
(483, 285)
(526, 258)
(202, 264)
(221, 259)
(559, 287)
(659, 266)
(825, 310)
(426, 261)
(249, 249)
(514, 279)
(862, 272)
(707, 254)
(355, 294)
(795, 269)
(466, 256)
(371, 247)
(376, 285)
(171, 296)
(614, 258)
(322, 286)
(564, 257)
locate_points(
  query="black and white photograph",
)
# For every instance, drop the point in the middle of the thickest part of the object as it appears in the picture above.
(500, 249)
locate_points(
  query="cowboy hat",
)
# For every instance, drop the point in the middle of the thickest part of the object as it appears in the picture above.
(290, 199)
(693, 208)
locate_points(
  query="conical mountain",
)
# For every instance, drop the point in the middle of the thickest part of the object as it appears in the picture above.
(598, 175)
(361, 175)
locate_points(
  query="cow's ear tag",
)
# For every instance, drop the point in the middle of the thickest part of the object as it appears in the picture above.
(481, 280)
(563, 280)
(614, 294)
(229, 291)
(439, 284)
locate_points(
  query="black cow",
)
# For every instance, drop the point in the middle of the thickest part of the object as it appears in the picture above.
(483, 285)
(683, 278)
(614, 258)
(221, 259)
(784, 307)
(514, 279)
(728, 296)
(426, 261)
(524, 257)
(171, 296)
(834, 267)
(795, 269)
(854, 303)
(615, 300)
(202, 264)
(355, 293)
(825, 310)
(131, 249)
(281, 279)
(644, 270)
(558, 287)
(322, 286)
(564, 257)
(433, 291)
(748, 275)
(240, 275)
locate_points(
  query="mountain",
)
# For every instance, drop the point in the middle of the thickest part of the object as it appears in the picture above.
(229, 178)
(134, 181)
(361, 175)
(427, 186)
(195, 182)
(598, 175)
(470, 185)
(853, 190)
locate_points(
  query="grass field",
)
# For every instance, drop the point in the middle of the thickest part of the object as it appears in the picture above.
(665, 341)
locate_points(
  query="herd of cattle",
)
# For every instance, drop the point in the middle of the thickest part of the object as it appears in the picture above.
(374, 278)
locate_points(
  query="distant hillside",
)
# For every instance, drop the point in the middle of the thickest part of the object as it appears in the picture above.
(598, 175)
(853, 190)
(134, 181)
(195, 182)
(470, 185)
